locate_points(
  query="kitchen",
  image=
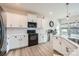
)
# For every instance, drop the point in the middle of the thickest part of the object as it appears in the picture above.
(26, 28)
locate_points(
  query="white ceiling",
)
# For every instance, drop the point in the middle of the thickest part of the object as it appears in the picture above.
(58, 9)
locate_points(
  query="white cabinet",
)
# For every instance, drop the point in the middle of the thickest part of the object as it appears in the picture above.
(42, 37)
(23, 23)
(17, 41)
(32, 18)
(23, 40)
(12, 43)
(39, 23)
(45, 23)
(16, 20)
(45, 39)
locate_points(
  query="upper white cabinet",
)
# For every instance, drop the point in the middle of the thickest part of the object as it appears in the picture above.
(32, 18)
(23, 22)
(45, 23)
(39, 23)
(16, 20)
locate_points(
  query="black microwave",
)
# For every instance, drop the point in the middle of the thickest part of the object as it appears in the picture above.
(32, 25)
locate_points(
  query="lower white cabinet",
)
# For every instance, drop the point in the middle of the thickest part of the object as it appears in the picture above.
(17, 41)
(12, 43)
(42, 37)
(40, 40)
(23, 40)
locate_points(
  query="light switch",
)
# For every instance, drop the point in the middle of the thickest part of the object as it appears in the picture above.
(20, 39)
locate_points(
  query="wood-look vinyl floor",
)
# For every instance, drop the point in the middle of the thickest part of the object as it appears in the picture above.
(37, 50)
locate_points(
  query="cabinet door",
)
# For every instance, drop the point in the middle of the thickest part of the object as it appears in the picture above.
(16, 20)
(45, 23)
(29, 18)
(45, 39)
(40, 40)
(39, 23)
(13, 43)
(17, 42)
(12, 19)
(23, 22)
(56, 45)
(64, 48)
(32, 18)
(23, 41)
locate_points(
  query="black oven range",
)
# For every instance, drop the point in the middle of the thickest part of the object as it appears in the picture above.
(32, 35)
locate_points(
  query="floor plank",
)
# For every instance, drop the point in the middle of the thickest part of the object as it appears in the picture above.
(37, 50)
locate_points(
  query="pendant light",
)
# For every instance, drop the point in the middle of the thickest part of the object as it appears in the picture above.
(68, 16)
(67, 5)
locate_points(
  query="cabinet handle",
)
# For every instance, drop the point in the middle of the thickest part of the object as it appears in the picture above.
(15, 36)
(20, 39)
(24, 35)
(7, 43)
(67, 49)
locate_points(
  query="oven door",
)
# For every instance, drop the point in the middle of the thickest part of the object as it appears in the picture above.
(33, 39)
